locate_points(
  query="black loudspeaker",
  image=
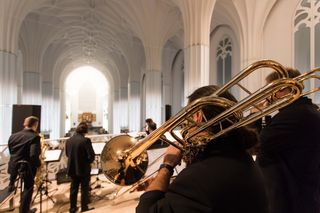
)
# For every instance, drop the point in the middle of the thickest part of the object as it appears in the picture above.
(168, 112)
(20, 112)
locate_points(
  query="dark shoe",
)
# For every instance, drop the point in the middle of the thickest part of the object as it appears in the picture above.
(33, 210)
(86, 209)
(74, 210)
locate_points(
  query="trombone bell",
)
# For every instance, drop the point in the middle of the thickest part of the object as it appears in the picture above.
(117, 166)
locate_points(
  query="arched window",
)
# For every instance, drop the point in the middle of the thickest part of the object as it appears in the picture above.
(306, 39)
(224, 60)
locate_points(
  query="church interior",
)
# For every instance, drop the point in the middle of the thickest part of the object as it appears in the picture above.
(116, 63)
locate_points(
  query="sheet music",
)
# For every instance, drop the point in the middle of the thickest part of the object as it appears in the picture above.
(52, 155)
(98, 147)
(94, 172)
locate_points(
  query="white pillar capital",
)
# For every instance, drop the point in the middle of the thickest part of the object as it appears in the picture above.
(196, 19)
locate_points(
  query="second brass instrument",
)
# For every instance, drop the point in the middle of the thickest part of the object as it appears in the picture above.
(39, 178)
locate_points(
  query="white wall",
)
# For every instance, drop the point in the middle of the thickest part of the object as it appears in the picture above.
(278, 32)
(87, 99)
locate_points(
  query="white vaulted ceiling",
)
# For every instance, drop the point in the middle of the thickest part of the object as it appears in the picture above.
(113, 33)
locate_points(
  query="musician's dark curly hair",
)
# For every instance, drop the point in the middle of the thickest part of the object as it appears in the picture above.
(82, 128)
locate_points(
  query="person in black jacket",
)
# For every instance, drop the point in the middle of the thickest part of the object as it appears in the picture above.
(289, 155)
(221, 177)
(80, 156)
(25, 146)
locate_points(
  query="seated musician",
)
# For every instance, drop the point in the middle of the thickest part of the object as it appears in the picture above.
(221, 177)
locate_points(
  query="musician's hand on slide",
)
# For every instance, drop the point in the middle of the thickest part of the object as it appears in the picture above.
(173, 156)
(161, 182)
(144, 185)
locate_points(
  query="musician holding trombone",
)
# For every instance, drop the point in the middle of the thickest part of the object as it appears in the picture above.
(220, 177)
(289, 155)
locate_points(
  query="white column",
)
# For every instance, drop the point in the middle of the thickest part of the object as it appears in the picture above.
(116, 112)
(110, 112)
(197, 19)
(154, 96)
(62, 113)
(167, 98)
(8, 93)
(196, 67)
(31, 93)
(123, 108)
(19, 76)
(153, 82)
(72, 104)
(47, 106)
(134, 106)
(55, 119)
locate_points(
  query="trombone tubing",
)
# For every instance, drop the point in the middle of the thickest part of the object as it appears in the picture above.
(282, 72)
(249, 101)
(168, 126)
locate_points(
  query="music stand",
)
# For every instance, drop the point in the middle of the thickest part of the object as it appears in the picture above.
(97, 148)
(49, 157)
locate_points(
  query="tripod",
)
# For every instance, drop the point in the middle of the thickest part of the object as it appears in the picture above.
(43, 189)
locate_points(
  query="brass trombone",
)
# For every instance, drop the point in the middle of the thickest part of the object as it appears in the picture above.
(313, 74)
(125, 161)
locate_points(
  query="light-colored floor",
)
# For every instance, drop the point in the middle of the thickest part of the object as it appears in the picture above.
(104, 199)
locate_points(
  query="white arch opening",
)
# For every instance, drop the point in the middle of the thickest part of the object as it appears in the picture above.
(87, 94)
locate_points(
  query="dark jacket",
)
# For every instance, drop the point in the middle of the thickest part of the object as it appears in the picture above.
(80, 155)
(224, 180)
(24, 145)
(290, 158)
